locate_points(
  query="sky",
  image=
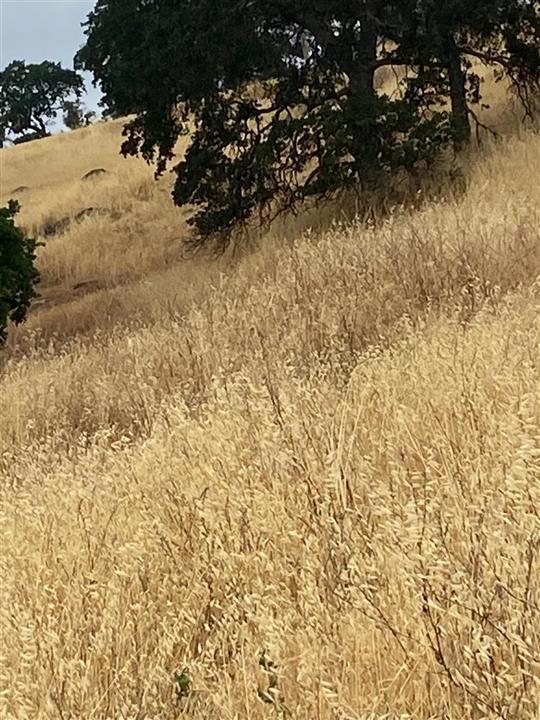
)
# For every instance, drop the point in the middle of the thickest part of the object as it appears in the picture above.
(37, 30)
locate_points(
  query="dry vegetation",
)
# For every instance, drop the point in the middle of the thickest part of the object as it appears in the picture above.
(307, 478)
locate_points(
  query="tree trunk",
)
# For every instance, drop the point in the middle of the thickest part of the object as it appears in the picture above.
(363, 99)
(458, 96)
(39, 127)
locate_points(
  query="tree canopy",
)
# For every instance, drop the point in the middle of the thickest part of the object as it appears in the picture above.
(443, 42)
(280, 99)
(31, 95)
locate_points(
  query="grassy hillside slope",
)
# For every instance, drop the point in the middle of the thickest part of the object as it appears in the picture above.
(303, 481)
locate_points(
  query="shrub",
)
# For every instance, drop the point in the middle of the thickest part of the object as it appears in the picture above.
(18, 274)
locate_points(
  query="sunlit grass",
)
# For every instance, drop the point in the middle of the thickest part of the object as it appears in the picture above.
(304, 479)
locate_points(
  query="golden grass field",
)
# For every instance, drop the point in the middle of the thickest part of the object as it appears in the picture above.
(304, 478)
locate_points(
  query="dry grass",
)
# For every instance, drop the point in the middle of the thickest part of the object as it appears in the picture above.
(308, 475)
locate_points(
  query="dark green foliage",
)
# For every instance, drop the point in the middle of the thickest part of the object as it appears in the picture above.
(182, 684)
(443, 40)
(18, 275)
(31, 95)
(279, 95)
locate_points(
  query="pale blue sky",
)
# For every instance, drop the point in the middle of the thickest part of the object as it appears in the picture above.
(37, 30)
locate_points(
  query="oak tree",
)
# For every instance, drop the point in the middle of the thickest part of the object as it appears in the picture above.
(279, 97)
(32, 94)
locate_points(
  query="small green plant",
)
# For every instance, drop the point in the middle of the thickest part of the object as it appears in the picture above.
(182, 684)
(269, 695)
(18, 274)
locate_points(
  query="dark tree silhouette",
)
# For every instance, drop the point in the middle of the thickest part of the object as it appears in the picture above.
(18, 275)
(443, 42)
(76, 115)
(279, 96)
(32, 95)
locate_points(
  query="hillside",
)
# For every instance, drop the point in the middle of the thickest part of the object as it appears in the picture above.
(302, 480)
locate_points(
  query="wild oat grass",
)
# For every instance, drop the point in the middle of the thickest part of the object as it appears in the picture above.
(303, 481)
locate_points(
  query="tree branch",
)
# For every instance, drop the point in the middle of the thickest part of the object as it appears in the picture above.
(485, 57)
(391, 60)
